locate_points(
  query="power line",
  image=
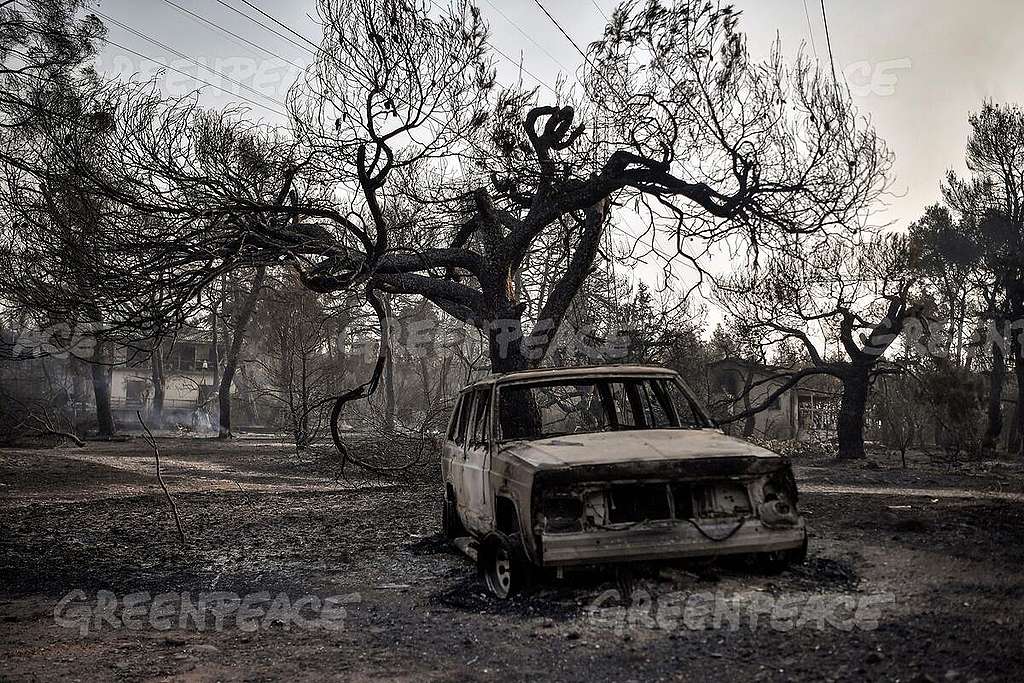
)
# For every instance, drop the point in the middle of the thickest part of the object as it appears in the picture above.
(195, 78)
(810, 30)
(232, 34)
(527, 35)
(563, 32)
(281, 24)
(603, 13)
(586, 59)
(828, 40)
(264, 26)
(184, 56)
(315, 49)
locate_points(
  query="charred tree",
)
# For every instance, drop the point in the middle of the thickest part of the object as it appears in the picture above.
(861, 297)
(101, 369)
(234, 350)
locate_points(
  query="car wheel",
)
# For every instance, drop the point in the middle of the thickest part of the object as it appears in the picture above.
(503, 565)
(451, 525)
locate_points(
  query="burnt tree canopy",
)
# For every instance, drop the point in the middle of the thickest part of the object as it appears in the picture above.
(990, 200)
(845, 303)
(406, 167)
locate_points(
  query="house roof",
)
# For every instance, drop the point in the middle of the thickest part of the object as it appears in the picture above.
(191, 334)
(736, 360)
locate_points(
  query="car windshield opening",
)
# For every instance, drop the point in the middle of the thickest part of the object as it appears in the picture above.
(545, 409)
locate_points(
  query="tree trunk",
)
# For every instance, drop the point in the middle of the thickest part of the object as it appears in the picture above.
(995, 398)
(213, 353)
(505, 343)
(751, 421)
(234, 351)
(519, 413)
(1013, 436)
(156, 412)
(302, 435)
(101, 371)
(1018, 369)
(390, 402)
(851, 412)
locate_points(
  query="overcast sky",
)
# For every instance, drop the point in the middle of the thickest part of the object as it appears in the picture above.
(916, 67)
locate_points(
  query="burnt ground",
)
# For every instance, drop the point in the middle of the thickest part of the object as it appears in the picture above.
(940, 544)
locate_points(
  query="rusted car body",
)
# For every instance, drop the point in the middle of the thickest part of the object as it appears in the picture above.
(562, 467)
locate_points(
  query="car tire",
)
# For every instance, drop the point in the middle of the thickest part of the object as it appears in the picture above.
(451, 525)
(503, 565)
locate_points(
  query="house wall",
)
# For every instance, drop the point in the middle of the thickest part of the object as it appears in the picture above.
(188, 378)
(181, 390)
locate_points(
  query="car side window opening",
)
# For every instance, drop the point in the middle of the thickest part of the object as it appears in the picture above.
(482, 416)
(454, 426)
(464, 413)
(687, 414)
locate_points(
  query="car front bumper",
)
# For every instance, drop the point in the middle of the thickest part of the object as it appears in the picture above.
(667, 540)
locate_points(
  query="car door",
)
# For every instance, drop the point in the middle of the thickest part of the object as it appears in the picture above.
(454, 451)
(476, 464)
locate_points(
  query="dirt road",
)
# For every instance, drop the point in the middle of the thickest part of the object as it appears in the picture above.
(913, 575)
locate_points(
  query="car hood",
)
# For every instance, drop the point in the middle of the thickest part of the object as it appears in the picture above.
(656, 445)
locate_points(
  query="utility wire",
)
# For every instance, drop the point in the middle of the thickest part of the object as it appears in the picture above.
(232, 34)
(195, 78)
(828, 40)
(318, 49)
(810, 30)
(603, 13)
(583, 54)
(184, 56)
(281, 24)
(264, 26)
(563, 32)
(527, 35)
(315, 49)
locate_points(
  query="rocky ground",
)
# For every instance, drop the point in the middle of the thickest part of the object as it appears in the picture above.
(912, 574)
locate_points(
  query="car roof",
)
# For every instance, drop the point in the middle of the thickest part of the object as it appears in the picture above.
(541, 374)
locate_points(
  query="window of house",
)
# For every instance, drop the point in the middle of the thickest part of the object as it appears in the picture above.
(183, 357)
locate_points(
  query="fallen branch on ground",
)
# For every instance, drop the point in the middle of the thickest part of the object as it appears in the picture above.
(159, 477)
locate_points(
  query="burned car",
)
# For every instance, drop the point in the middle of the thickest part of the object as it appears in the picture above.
(552, 468)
